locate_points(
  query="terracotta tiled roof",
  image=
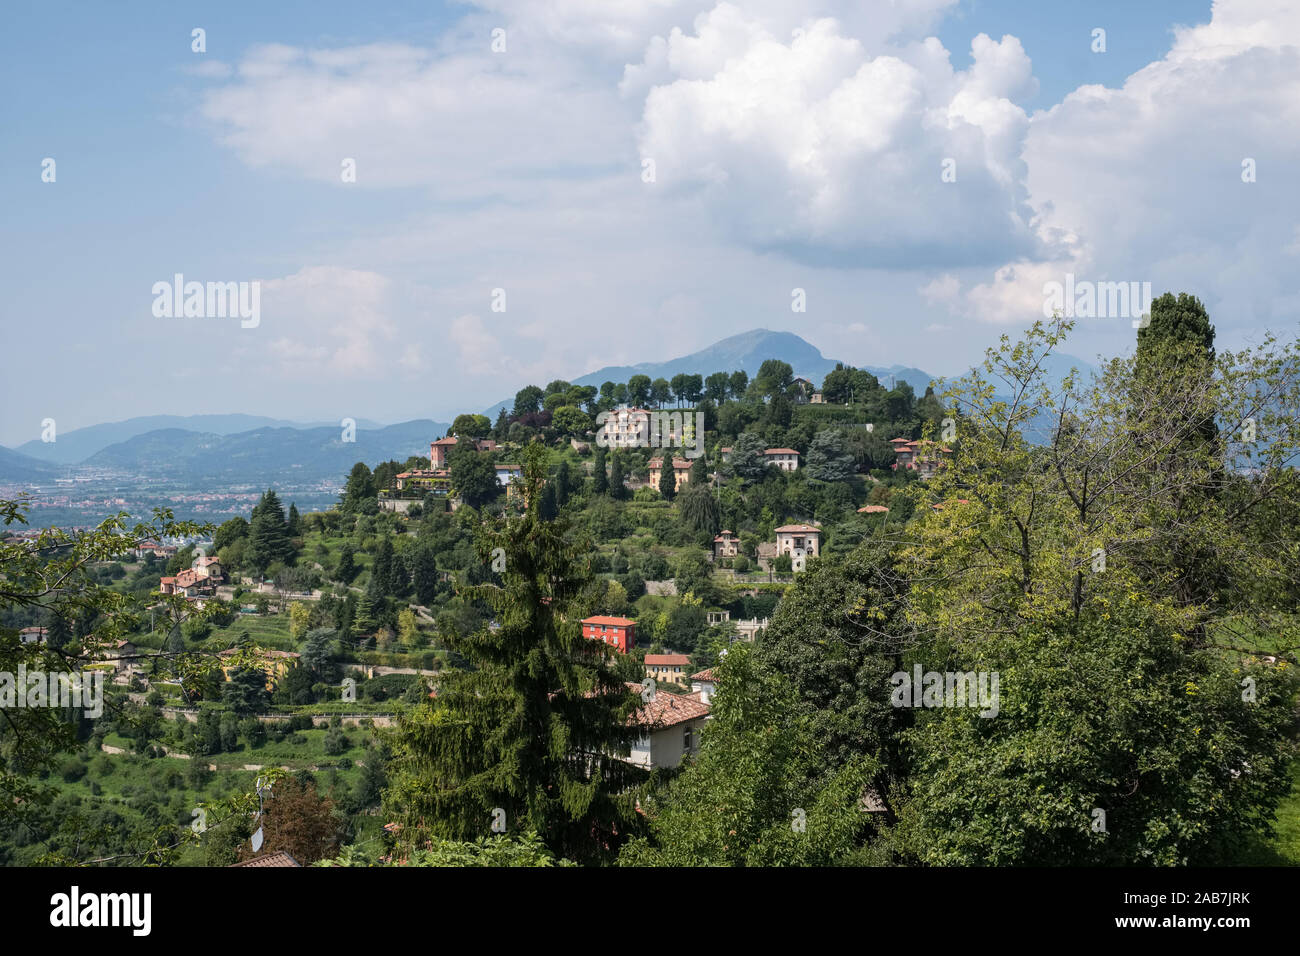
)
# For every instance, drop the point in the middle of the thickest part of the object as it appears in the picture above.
(779, 451)
(608, 621)
(666, 660)
(668, 709)
(798, 529)
(278, 858)
(705, 675)
(873, 510)
(939, 506)
(679, 464)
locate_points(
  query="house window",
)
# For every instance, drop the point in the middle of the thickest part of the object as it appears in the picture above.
(688, 738)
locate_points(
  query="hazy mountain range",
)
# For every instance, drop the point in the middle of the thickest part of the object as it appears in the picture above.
(208, 450)
(74, 447)
(296, 453)
(746, 351)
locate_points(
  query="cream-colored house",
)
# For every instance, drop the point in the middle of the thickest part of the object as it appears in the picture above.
(726, 545)
(787, 459)
(667, 667)
(681, 472)
(671, 725)
(804, 537)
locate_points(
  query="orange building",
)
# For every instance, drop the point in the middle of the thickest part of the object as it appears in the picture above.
(618, 632)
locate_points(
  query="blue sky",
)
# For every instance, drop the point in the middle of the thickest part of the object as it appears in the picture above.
(796, 145)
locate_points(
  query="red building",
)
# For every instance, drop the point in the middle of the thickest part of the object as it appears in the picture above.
(617, 631)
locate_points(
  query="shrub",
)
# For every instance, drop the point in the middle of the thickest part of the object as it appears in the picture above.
(335, 741)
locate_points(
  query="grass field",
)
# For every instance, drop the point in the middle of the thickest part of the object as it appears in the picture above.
(270, 631)
(1283, 849)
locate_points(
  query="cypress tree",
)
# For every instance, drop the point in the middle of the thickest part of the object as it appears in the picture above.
(381, 572)
(667, 479)
(599, 475)
(534, 724)
(699, 472)
(563, 484)
(424, 573)
(617, 490)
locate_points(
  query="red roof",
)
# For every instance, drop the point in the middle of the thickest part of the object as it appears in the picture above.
(278, 858)
(607, 621)
(798, 529)
(668, 709)
(779, 451)
(873, 510)
(445, 441)
(679, 464)
(705, 675)
(666, 660)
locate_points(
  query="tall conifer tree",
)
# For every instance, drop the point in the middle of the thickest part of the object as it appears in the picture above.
(534, 726)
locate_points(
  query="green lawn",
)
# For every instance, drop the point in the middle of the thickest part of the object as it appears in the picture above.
(271, 631)
(1283, 849)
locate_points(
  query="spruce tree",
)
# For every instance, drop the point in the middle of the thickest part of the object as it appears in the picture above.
(175, 641)
(363, 619)
(347, 568)
(268, 534)
(360, 486)
(548, 510)
(57, 631)
(534, 726)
